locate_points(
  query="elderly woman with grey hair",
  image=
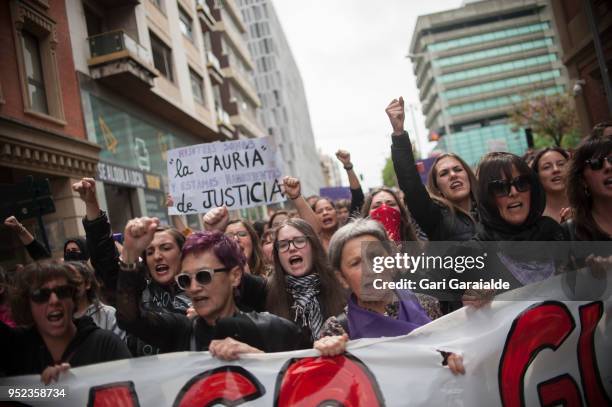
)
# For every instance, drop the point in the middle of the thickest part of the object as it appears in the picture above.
(370, 312)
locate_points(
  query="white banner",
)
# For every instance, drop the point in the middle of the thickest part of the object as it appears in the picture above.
(238, 174)
(543, 352)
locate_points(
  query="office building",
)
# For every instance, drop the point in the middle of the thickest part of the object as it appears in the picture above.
(156, 75)
(284, 109)
(474, 63)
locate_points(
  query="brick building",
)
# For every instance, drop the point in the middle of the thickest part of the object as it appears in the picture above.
(42, 132)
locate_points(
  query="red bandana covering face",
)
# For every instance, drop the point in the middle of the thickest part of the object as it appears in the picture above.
(390, 218)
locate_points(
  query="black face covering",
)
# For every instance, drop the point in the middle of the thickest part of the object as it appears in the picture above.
(74, 256)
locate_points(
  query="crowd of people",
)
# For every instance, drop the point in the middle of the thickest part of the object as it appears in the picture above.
(297, 280)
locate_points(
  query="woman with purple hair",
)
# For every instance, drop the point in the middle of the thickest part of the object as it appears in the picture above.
(212, 265)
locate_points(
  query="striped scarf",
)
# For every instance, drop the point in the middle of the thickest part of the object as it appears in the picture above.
(306, 307)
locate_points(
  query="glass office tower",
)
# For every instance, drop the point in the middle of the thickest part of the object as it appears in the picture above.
(474, 63)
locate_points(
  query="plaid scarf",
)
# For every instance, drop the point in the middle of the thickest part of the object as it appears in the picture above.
(306, 307)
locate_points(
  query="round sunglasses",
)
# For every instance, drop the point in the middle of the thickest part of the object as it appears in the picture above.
(502, 187)
(203, 277)
(42, 295)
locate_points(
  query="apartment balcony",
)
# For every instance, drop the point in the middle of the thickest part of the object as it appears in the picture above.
(214, 67)
(247, 124)
(205, 13)
(224, 123)
(120, 62)
(242, 83)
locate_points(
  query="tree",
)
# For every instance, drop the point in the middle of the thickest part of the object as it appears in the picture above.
(552, 118)
(388, 174)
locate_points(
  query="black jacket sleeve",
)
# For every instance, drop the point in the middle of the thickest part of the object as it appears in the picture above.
(103, 252)
(424, 210)
(37, 251)
(252, 293)
(279, 334)
(161, 329)
(357, 200)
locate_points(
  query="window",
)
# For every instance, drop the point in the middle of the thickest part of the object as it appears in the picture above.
(35, 37)
(197, 86)
(35, 82)
(162, 57)
(185, 24)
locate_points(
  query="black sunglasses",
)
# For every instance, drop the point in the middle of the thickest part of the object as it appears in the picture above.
(298, 242)
(597, 164)
(42, 295)
(202, 276)
(502, 187)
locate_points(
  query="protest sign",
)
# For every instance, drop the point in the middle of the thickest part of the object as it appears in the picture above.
(515, 353)
(237, 174)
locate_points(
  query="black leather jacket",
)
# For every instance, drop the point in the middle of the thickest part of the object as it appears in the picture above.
(173, 332)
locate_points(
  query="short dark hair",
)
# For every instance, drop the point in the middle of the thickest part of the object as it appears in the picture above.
(599, 128)
(178, 237)
(31, 278)
(227, 250)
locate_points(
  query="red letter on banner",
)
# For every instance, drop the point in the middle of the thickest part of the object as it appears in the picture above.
(113, 394)
(227, 385)
(525, 340)
(311, 381)
(594, 392)
(561, 390)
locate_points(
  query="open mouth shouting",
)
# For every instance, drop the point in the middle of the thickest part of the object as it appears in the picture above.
(296, 260)
(327, 221)
(456, 185)
(162, 269)
(608, 182)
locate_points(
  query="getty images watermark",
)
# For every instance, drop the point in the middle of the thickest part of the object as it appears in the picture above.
(447, 269)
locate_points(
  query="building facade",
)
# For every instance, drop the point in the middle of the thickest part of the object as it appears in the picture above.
(576, 36)
(42, 132)
(284, 109)
(474, 63)
(156, 75)
(331, 171)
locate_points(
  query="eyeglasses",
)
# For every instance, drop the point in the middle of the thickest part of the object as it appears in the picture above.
(502, 187)
(597, 164)
(202, 276)
(298, 242)
(42, 295)
(232, 235)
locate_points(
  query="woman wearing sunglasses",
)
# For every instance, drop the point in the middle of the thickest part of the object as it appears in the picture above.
(550, 165)
(512, 201)
(49, 340)
(590, 190)
(212, 267)
(302, 287)
(446, 209)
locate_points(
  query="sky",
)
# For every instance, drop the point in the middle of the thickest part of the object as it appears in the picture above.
(352, 58)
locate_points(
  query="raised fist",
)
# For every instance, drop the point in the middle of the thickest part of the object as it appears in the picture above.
(292, 187)
(344, 157)
(216, 219)
(395, 112)
(86, 188)
(139, 233)
(12, 223)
